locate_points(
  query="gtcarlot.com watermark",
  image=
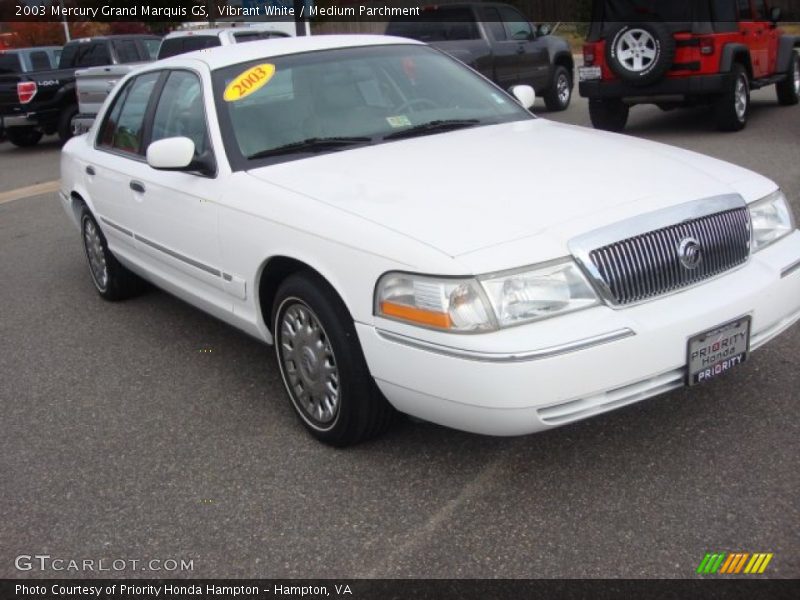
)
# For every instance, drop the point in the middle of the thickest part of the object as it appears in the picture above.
(45, 562)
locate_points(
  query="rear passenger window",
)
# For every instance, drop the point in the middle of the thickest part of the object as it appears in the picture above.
(40, 61)
(181, 45)
(180, 111)
(126, 50)
(151, 47)
(124, 125)
(93, 55)
(9, 63)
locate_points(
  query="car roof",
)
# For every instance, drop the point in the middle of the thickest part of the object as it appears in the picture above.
(30, 49)
(215, 31)
(222, 56)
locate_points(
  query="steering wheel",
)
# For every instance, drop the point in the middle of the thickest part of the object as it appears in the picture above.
(419, 102)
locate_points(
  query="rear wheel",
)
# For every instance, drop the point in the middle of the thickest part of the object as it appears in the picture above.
(789, 89)
(322, 364)
(23, 137)
(65, 122)
(731, 110)
(609, 115)
(111, 280)
(559, 95)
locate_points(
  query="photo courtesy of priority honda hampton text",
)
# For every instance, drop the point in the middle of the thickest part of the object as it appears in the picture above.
(410, 238)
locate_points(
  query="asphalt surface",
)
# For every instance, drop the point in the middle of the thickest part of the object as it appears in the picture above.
(148, 430)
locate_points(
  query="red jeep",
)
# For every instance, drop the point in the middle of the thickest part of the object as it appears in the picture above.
(675, 53)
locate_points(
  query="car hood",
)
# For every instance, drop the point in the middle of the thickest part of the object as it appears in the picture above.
(473, 189)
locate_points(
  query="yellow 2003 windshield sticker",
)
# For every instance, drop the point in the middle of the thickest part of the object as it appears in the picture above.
(248, 82)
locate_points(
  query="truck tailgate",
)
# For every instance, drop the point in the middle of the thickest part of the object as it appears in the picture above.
(9, 101)
(95, 83)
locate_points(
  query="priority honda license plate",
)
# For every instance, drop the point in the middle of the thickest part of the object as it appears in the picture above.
(717, 351)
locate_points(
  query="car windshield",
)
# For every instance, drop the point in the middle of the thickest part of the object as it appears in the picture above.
(282, 108)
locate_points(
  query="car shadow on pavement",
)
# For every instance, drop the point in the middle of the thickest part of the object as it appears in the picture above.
(694, 122)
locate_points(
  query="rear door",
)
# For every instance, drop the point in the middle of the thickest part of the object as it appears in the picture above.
(755, 36)
(119, 159)
(772, 34)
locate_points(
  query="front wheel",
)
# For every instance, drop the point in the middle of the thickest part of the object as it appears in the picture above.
(733, 106)
(609, 115)
(111, 280)
(789, 89)
(559, 95)
(322, 365)
(23, 137)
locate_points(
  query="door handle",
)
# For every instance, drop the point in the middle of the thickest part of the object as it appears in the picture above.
(137, 186)
(90, 170)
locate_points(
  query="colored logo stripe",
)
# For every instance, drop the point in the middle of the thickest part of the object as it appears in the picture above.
(734, 563)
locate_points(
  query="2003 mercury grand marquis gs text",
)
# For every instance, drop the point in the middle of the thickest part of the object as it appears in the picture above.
(410, 238)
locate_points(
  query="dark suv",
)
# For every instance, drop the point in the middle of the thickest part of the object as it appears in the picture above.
(675, 53)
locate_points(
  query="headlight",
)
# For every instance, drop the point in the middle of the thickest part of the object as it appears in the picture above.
(456, 305)
(537, 293)
(484, 303)
(771, 220)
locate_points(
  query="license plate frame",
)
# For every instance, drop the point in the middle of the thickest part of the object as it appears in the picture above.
(716, 351)
(589, 73)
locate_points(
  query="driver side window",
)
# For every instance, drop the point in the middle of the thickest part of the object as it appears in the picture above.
(180, 111)
(517, 28)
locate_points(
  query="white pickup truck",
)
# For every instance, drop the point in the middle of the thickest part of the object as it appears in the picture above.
(95, 83)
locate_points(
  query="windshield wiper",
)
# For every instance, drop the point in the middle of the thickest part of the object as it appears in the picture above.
(432, 127)
(311, 145)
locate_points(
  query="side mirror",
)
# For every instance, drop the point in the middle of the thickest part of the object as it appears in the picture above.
(544, 29)
(524, 94)
(178, 154)
(775, 14)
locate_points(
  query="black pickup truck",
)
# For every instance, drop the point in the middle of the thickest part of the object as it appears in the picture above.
(44, 102)
(500, 43)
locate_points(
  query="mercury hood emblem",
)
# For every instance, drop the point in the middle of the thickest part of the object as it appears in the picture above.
(690, 253)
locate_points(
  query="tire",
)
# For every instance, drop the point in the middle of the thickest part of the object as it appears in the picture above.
(609, 115)
(789, 89)
(559, 94)
(23, 137)
(65, 122)
(111, 280)
(640, 53)
(322, 365)
(730, 111)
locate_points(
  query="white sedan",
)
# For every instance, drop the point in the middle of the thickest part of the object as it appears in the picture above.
(410, 238)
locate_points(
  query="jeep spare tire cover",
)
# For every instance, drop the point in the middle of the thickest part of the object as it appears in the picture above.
(640, 53)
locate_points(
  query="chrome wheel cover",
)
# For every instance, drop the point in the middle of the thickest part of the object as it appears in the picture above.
(636, 50)
(308, 364)
(740, 98)
(562, 87)
(93, 244)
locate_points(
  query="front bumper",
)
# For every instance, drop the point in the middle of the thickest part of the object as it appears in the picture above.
(684, 87)
(515, 389)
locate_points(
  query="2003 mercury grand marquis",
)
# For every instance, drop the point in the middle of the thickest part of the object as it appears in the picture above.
(409, 237)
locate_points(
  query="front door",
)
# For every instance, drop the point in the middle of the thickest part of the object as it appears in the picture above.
(174, 213)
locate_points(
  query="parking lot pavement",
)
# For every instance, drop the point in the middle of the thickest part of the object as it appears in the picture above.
(148, 430)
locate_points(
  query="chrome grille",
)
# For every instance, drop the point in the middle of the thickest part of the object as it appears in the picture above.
(650, 264)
